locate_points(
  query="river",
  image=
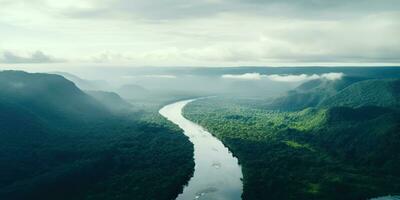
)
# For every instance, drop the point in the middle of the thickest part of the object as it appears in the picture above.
(217, 174)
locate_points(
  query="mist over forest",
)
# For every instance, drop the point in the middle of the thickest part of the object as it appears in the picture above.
(200, 100)
(296, 132)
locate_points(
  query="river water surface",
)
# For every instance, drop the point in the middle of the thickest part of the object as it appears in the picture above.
(217, 174)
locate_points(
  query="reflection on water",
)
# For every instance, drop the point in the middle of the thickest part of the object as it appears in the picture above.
(217, 174)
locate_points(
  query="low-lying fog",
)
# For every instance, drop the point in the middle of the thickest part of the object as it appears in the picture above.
(142, 83)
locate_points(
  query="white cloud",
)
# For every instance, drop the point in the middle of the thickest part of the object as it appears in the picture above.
(304, 77)
(332, 76)
(292, 78)
(246, 76)
(284, 78)
(10, 57)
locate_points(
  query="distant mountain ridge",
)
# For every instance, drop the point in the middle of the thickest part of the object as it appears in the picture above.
(383, 93)
(348, 91)
(111, 100)
(52, 97)
(312, 93)
(84, 84)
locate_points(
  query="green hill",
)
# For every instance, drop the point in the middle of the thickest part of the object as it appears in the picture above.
(57, 142)
(51, 97)
(384, 93)
(112, 101)
(84, 84)
(132, 91)
(363, 136)
(312, 93)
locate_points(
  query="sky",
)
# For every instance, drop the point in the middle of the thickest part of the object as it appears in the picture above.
(200, 32)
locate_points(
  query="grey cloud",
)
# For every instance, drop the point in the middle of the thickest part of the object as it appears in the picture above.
(202, 32)
(321, 53)
(184, 9)
(9, 57)
(148, 10)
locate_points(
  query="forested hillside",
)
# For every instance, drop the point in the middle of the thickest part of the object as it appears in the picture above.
(320, 152)
(57, 142)
(312, 93)
(383, 93)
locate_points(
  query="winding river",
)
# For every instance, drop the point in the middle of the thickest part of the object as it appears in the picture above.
(217, 174)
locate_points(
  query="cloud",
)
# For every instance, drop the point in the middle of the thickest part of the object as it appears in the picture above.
(304, 77)
(271, 42)
(206, 32)
(246, 76)
(332, 76)
(9, 57)
(292, 78)
(284, 78)
(194, 9)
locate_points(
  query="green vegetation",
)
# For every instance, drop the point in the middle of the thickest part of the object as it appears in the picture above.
(384, 93)
(312, 93)
(323, 140)
(112, 101)
(322, 152)
(57, 142)
(349, 91)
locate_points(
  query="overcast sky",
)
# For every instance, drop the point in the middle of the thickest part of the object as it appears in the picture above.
(200, 32)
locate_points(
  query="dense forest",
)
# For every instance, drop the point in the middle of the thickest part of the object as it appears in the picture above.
(58, 142)
(199, 99)
(322, 140)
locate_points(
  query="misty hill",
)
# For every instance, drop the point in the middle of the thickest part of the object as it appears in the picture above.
(57, 142)
(133, 91)
(252, 89)
(359, 116)
(111, 100)
(328, 86)
(155, 96)
(312, 93)
(83, 83)
(369, 72)
(383, 93)
(52, 97)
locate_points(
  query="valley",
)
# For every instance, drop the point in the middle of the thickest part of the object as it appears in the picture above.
(200, 100)
(315, 139)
